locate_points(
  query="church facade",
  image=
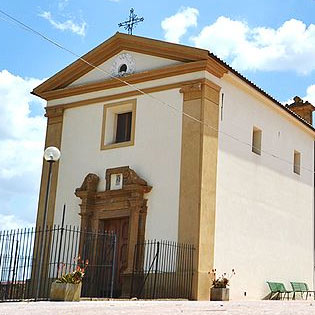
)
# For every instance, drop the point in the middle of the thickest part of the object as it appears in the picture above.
(165, 141)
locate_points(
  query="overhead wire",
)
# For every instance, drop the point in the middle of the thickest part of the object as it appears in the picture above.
(44, 37)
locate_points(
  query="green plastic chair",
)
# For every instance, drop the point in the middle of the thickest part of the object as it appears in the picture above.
(301, 287)
(278, 289)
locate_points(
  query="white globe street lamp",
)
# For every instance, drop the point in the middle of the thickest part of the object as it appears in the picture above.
(51, 155)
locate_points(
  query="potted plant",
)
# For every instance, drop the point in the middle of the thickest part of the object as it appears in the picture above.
(219, 290)
(68, 286)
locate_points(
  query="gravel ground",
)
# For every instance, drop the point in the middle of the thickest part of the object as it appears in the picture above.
(160, 307)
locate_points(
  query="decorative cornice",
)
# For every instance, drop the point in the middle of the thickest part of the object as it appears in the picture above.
(112, 97)
(156, 74)
(215, 68)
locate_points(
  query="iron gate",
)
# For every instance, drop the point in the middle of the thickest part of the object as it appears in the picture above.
(162, 269)
(21, 276)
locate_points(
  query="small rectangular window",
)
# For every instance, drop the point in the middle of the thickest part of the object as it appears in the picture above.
(256, 141)
(297, 163)
(123, 129)
(118, 126)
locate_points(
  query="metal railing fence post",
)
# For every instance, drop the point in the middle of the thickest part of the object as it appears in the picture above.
(156, 266)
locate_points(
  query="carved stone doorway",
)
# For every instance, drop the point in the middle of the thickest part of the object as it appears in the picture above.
(121, 208)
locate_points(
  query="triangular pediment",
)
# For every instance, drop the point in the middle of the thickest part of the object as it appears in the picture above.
(110, 68)
(82, 71)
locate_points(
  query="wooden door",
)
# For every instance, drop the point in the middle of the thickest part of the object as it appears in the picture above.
(120, 227)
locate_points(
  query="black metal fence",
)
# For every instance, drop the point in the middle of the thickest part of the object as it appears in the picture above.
(162, 269)
(31, 259)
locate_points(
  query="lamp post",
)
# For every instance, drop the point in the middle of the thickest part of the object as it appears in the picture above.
(51, 155)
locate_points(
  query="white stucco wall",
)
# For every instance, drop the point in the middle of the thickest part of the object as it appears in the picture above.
(155, 157)
(264, 213)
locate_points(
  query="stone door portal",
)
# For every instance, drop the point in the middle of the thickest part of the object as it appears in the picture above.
(121, 208)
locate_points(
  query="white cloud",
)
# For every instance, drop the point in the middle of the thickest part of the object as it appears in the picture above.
(21, 146)
(11, 222)
(289, 47)
(176, 25)
(68, 25)
(310, 94)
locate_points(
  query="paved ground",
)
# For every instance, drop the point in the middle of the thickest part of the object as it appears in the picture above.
(160, 307)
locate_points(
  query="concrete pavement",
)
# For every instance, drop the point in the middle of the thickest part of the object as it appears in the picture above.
(159, 307)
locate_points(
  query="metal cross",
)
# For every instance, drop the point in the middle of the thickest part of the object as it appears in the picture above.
(132, 22)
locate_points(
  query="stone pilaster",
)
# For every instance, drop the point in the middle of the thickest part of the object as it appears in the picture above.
(53, 138)
(198, 178)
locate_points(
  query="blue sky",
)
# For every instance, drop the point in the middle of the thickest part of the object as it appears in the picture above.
(271, 42)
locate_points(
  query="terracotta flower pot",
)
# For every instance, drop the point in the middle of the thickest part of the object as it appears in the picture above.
(65, 291)
(219, 294)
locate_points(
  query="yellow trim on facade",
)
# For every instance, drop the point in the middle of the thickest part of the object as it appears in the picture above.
(53, 138)
(155, 74)
(112, 97)
(198, 179)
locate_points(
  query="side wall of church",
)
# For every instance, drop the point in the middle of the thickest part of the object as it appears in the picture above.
(155, 156)
(264, 212)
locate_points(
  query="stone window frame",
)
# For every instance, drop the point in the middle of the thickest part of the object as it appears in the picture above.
(105, 123)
